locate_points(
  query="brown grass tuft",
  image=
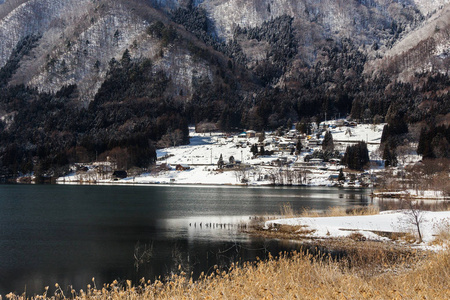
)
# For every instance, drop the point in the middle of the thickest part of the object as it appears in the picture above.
(287, 211)
(443, 234)
(309, 213)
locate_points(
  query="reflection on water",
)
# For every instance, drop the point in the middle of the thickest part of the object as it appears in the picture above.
(355, 198)
(69, 234)
(214, 228)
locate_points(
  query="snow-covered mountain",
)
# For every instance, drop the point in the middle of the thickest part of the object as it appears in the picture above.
(79, 38)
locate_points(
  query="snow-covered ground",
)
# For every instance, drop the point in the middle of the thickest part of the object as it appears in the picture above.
(368, 133)
(389, 221)
(204, 150)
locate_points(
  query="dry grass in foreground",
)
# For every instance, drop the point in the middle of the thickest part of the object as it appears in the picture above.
(296, 276)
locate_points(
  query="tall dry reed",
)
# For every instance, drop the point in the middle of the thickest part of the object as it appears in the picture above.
(337, 211)
(296, 276)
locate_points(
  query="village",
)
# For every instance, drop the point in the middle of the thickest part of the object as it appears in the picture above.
(249, 158)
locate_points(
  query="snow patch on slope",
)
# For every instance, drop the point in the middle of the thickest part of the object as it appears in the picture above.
(428, 6)
(431, 27)
(30, 18)
(73, 61)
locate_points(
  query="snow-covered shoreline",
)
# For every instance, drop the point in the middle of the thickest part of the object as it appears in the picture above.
(372, 227)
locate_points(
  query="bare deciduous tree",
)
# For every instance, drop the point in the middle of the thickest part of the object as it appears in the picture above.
(415, 216)
(241, 174)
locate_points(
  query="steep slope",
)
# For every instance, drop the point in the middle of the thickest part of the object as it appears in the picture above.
(22, 18)
(363, 22)
(107, 79)
(426, 48)
(374, 26)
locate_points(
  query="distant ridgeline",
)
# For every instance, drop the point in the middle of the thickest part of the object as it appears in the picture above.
(120, 79)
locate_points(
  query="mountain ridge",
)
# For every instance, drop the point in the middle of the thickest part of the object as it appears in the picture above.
(58, 35)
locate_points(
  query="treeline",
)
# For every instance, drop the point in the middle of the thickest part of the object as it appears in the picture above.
(335, 85)
(327, 89)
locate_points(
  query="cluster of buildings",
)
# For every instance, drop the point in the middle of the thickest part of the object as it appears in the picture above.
(247, 152)
(97, 171)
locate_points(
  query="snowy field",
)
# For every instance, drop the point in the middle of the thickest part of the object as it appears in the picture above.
(389, 221)
(204, 151)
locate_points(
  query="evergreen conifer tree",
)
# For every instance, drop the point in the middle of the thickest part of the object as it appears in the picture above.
(328, 144)
(299, 146)
(254, 149)
(220, 162)
(356, 156)
(341, 176)
(389, 155)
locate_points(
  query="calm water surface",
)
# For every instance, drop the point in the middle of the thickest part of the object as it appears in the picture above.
(68, 234)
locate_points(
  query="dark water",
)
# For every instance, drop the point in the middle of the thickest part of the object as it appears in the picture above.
(68, 234)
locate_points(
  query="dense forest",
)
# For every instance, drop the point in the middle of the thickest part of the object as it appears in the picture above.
(139, 107)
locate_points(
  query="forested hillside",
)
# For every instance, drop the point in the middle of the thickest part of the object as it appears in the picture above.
(83, 80)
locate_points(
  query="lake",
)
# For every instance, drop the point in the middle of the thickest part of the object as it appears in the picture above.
(68, 234)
